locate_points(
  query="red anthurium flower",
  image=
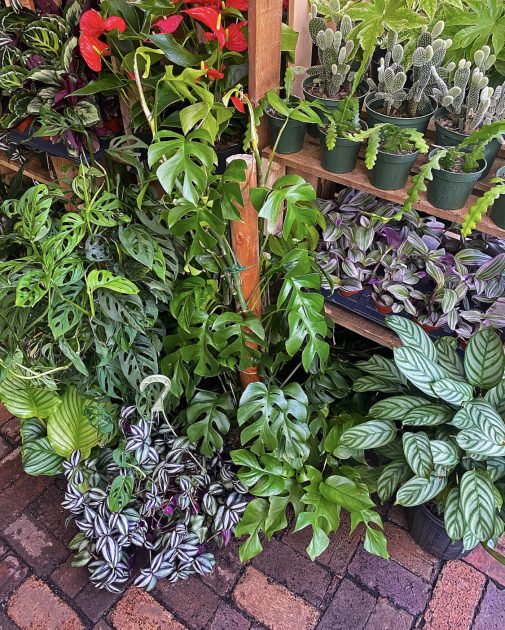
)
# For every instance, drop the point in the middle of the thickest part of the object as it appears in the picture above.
(235, 39)
(240, 5)
(92, 23)
(238, 104)
(212, 19)
(92, 50)
(169, 24)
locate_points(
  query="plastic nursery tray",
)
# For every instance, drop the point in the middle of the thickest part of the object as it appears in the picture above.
(57, 149)
(362, 304)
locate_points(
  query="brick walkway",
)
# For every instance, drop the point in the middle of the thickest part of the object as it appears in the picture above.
(281, 589)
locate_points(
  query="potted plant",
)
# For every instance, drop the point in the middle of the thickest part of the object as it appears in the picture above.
(389, 100)
(288, 117)
(440, 439)
(492, 200)
(390, 153)
(339, 152)
(467, 103)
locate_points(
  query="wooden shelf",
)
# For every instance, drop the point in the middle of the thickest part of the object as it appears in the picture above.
(361, 325)
(308, 161)
(32, 168)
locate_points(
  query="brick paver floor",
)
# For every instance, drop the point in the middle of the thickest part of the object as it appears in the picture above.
(281, 589)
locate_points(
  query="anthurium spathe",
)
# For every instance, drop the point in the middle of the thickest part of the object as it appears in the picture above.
(230, 37)
(169, 24)
(92, 26)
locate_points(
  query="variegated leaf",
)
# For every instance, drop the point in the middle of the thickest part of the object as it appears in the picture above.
(473, 442)
(452, 391)
(416, 447)
(418, 369)
(484, 359)
(412, 335)
(396, 407)
(429, 415)
(448, 357)
(419, 490)
(477, 502)
(371, 383)
(391, 477)
(445, 452)
(370, 434)
(454, 520)
(496, 397)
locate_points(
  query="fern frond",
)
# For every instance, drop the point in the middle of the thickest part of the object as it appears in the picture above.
(480, 207)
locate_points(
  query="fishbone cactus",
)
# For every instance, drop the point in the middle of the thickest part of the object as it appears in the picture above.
(430, 53)
(469, 101)
(334, 49)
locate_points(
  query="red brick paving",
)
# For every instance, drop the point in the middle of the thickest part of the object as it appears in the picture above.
(280, 590)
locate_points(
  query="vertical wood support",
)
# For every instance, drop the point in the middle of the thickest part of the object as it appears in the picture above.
(64, 170)
(298, 19)
(28, 4)
(245, 244)
(265, 19)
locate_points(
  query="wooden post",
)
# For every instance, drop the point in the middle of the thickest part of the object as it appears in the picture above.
(245, 244)
(265, 19)
(28, 4)
(298, 19)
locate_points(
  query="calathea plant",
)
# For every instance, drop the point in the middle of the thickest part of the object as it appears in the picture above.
(442, 432)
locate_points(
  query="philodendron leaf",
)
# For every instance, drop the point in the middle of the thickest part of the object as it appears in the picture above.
(418, 369)
(375, 542)
(477, 502)
(416, 447)
(452, 391)
(207, 415)
(251, 525)
(101, 279)
(24, 400)
(419, 490)
(68, 428)
(371, 434)
(484, 359)
(412, 336)
(391, 477)
(120, 493)
(454, 520)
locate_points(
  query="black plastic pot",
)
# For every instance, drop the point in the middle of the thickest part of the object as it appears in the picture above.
(448, 138)
(329, 103)
(497, 213)
(291, 140)
(343, 157)
(429, 533)
(224, 154)
(374, 117)
(450, 191)
(392, 171)
(56, 149)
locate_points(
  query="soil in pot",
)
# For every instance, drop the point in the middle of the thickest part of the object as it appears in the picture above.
(428, 530)
(391, 171)
(450, 190)
(377, 113)
(447, 134)
(226, 146)
(292, 138)
(497, 213)
(343, 157)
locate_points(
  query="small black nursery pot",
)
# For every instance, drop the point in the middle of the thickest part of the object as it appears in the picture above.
(291, 140)
(373, 105)
(449, 190)
(391, 171)
(429, 533)
(343, 157)
(497, 213)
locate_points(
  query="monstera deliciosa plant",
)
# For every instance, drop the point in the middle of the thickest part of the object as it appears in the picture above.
(442, 430)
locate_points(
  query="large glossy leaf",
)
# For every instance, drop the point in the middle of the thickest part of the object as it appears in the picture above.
(102, 279)
(69, 429)
(207, 415)
(448, 357)
(445, 453)
(120, 493)
(264, 476)
(371, 434)
(428, 415)
(485, 434)
(412, 335)
(24, 400)
(251, 525)
(418, 369)
(484, 359)
(391, 477)
(138, 244)
(396, 407)
(416, 447)
(454, 520)
(477, 502)
(419, 490)
(346, 493)
(139, 362)
(452, 391)
(39, 458)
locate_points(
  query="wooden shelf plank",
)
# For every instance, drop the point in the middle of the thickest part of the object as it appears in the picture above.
(307, 161)
(32, 168)
(361, 325)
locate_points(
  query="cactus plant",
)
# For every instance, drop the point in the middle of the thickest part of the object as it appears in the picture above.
(465, 94)
(335, 52)
(392, 77)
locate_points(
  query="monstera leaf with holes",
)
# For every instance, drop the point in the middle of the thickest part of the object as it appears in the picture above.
(442, 437)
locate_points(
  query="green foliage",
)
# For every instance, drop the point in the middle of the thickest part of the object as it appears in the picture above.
(390, 139)
(454, 460)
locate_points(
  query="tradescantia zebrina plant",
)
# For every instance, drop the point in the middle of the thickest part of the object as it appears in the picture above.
(442, 430)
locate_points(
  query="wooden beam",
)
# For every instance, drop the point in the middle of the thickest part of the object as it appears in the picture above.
(265, 19)
(245, 244)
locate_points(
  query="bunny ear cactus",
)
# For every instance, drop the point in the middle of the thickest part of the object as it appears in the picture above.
(442, 430)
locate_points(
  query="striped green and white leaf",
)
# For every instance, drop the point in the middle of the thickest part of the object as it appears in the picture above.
(445, 452)
(393, 450)
(495, 467)
(369, 383)
(419, 490)
(39, 458)
(454, 520)
(371, 434)
(462, 420)
(496, 397)
(418, 369)
(69, 429)
(428, 415)
(484, 359)
(416, 447)
(384, 368)
(452, 391)
(396, 407)
(448, 357)
(31, 429)
(25, 400)
(487, 419)
(391, 477)
(412, 335)
(469, 541)
(477, 500)
(475, 444)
